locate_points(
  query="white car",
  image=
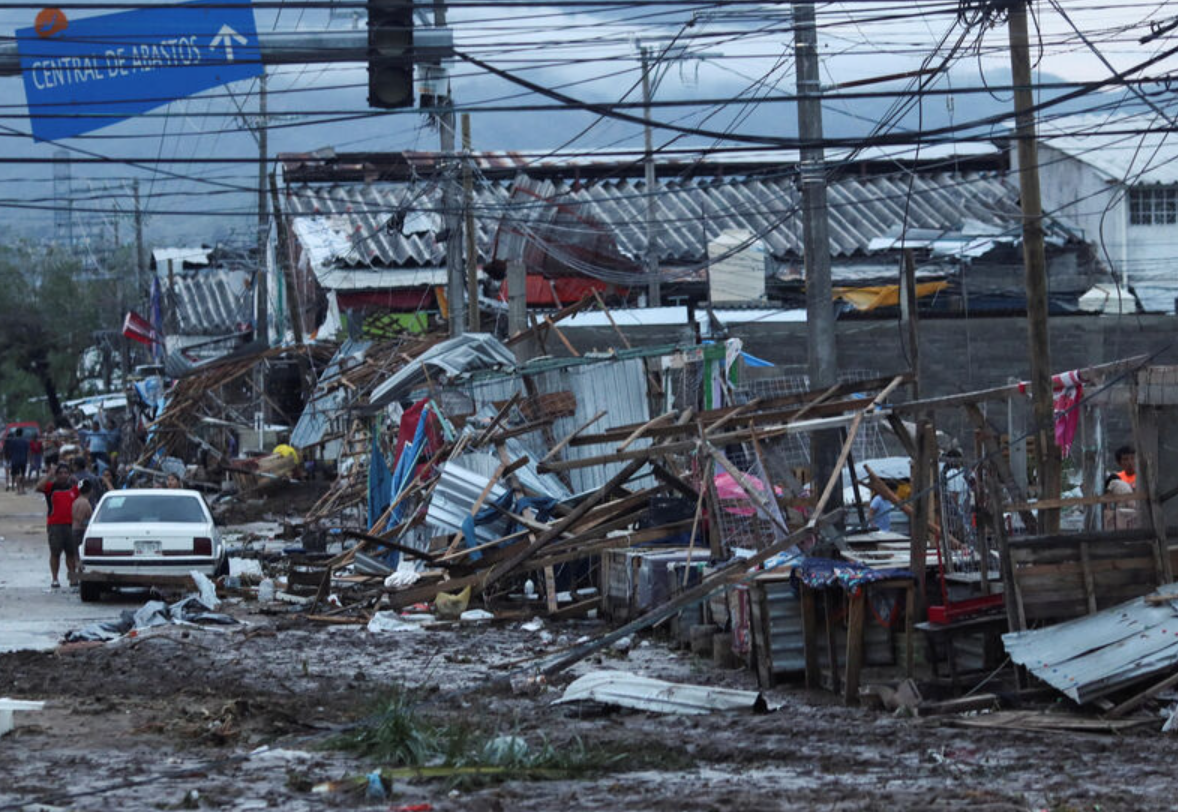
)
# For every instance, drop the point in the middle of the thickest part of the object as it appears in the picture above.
(140, 537)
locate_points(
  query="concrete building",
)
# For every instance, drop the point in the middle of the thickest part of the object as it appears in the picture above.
(1118, 188)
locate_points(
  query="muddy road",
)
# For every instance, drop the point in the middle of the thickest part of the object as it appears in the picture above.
(191, 703)
(174, 719)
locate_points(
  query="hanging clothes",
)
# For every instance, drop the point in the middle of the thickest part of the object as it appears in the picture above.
(1067, 394)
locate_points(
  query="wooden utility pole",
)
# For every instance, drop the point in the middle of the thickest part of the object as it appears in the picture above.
(820, 335)
(1035, 259)
(472, 248)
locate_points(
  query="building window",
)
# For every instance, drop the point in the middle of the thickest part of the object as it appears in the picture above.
(1153, 206)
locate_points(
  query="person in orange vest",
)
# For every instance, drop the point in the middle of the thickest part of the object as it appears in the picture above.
(1126, 458)
(1123, 515)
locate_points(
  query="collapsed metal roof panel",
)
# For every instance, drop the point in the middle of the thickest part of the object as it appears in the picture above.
(1091, 656)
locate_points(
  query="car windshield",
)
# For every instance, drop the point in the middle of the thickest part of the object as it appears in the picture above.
(150, 507)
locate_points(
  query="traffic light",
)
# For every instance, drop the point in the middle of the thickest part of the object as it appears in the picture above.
(390, 53)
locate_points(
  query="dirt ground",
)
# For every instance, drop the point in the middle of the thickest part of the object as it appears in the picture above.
(173, 719)
(193, 703)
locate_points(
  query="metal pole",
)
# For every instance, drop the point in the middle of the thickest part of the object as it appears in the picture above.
(654, 283)
(820, 335)
(1034, 255)
(472, 255)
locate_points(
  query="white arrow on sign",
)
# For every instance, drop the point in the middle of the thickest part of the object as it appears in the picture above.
(227, 36)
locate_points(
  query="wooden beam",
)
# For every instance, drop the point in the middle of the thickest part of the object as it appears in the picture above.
(663, 418)
(556, 449)
(1141, 698)
(1076, 501)
(1003, 392)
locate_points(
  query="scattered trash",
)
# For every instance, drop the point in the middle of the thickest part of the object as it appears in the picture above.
(190, 610)
(266, 590)
(451, 606)
(10, 707)
(391, 622)
(505, 750)
(476, 616)
(533, 625)
(206, 588)
(375, 790)
(247, 570)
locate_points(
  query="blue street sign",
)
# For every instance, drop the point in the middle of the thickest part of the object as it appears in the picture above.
(85, 74)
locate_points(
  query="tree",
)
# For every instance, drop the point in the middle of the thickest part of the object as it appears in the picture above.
(52, 308)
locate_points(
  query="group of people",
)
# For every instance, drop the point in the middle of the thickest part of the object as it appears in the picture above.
(1117, 516)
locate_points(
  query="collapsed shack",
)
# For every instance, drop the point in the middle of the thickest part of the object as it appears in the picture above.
(656, 487)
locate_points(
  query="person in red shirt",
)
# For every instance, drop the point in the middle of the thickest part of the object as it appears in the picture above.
(60, 491)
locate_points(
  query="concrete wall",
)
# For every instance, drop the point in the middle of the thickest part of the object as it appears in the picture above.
(957, 355)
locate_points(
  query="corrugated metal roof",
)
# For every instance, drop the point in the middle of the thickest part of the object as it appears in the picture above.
(1118, 148)
(1091, 656)
(373, 225)
(210, 303)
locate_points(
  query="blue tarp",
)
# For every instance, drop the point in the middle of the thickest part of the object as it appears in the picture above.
(380, 480)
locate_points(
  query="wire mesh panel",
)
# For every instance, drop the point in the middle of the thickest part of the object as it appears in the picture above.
(793, 450)
(956, 501)
(747, 512)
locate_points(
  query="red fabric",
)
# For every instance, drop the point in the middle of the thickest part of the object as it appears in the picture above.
(401, 300)
(568, 289)
(1067, 417)
(61, 503)
(1128, 479)
(408, 428)
(137, 328)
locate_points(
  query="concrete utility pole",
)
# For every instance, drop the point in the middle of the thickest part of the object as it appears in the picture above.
(820, 336)
(262, 327)
(455, 271)
(1035, 258)
(140, 259)
(654, 284)
(471, 248)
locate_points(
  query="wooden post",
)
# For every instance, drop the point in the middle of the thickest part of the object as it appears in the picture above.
(1091, 484)
(1035, 259)
(832, 652)
(1150, 514)
(926, 444)
(810, 638)
(855, 618)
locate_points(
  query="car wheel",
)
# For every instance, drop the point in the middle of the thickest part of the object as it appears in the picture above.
(90, 591)
(222, 567)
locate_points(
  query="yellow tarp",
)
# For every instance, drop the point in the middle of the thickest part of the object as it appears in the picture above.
(884, 295)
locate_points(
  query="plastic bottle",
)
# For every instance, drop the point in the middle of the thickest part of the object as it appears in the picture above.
(266, 590)
(530, 589)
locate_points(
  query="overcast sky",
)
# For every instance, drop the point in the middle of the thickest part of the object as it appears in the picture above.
(600, 48)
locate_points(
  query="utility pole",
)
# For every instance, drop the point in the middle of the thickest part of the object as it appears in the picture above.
(455, 271)
(1035, 259)
(140, 259)
(262, 323)
(820, 336)
(654, 283)
(472, 248)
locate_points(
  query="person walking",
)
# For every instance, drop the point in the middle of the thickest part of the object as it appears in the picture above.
(36, 452)
(18, 459)
(80, 513)
(61, 491)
